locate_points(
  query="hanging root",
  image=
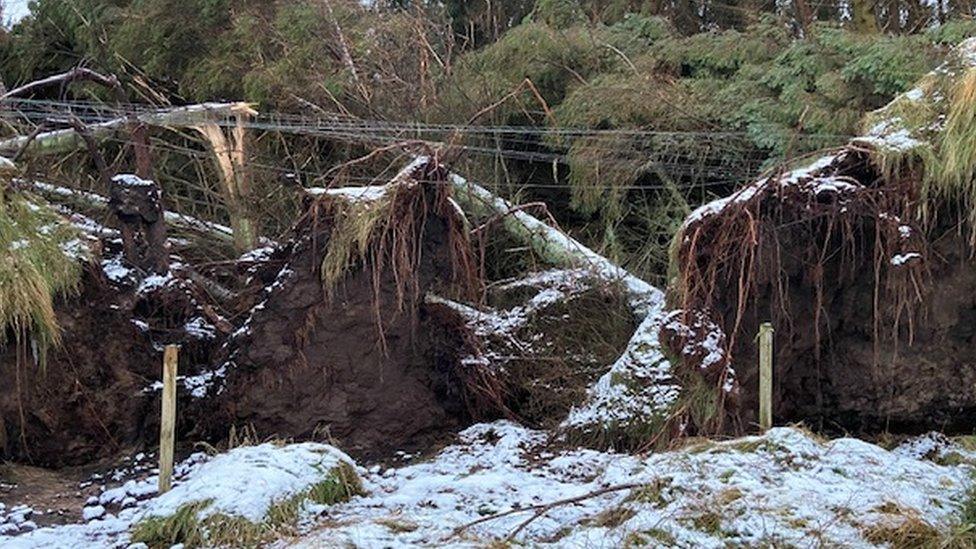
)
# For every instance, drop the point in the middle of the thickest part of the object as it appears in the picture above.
(737, 260)
(383, 229)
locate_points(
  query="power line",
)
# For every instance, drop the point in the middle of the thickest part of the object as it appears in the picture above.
(288, 121)
(351, 129)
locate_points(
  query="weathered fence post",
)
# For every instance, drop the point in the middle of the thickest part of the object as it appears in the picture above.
(167, 424)
(765, 376)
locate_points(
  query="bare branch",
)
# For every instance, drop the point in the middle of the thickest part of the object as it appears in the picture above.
(74, 75)
(541, 509)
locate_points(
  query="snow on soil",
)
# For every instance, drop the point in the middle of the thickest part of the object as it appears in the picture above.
(809, 177)
(786, 487)
(553, 286)
(638, 387)
(116, 271)
(246, 481)
(16, 520)
(243, 482)
(197, 386)
(902, 259)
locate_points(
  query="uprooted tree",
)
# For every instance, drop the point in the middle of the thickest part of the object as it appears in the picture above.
(376, 320)
(371, 324)
(862, 260)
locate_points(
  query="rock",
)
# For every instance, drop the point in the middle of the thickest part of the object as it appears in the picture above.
(92, 513)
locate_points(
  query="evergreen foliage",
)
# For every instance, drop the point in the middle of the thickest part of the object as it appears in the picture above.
(711, 109)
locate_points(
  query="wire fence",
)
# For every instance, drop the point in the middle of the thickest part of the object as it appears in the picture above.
(701, 155)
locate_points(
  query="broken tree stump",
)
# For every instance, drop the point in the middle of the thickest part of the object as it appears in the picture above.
(137, 205)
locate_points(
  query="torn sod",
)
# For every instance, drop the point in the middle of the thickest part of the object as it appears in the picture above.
(243, 497)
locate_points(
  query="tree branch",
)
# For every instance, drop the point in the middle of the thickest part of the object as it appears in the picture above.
(74, 75)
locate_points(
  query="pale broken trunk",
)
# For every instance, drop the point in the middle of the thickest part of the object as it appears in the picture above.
(231, 160)
(552, 244)
(229, 150)
(66, 140)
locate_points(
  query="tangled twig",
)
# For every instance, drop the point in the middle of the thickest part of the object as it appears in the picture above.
(540, 510)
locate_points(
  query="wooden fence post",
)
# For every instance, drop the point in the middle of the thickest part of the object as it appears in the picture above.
(765, 376)
(167, 424)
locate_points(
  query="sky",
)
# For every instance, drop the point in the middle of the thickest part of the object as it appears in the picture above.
(14, 10)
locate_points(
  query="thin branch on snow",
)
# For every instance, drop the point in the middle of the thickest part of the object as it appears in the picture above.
(543, 508)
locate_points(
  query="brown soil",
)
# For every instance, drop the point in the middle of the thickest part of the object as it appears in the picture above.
(904, 387)
(86, 401)
(312, 366)
(840, 364)
(54, 495)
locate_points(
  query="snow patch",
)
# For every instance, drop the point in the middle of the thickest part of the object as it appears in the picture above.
(353, 194)
(246, 481)
(783, 488)
(116, 271)
(903, 259)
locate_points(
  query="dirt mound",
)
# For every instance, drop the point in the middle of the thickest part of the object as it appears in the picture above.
(93, 395)
(873, 311)
(348, 352)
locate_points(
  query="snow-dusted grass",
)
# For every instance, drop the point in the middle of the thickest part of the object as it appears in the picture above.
(786, 488)
(241, 497)
(247, 496)
(631, 402)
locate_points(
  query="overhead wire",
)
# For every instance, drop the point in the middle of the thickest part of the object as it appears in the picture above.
(681, 162)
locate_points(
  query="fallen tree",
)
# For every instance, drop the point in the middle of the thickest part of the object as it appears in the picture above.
(862, 262)
(339, 340)
(551, 243)
(94, 201)
(67, 140)
(228, 148)
(629, 405)
(80, 330)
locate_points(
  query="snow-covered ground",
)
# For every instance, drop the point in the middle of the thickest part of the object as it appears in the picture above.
(244, 482)
(784, 488)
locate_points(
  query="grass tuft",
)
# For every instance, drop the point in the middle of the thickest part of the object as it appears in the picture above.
(187, 527)
(35, 268)
(183, 526)
(355, 224)
(341, 485)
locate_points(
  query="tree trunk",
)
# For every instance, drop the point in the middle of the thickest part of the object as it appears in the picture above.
(67, 140)
(552, 244)
(862, 16)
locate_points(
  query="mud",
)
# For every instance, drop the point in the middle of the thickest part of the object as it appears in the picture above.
(86, 401)
(53, 497)
(841, 364)
(315, 366)
(897, 386)
(92, 397)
